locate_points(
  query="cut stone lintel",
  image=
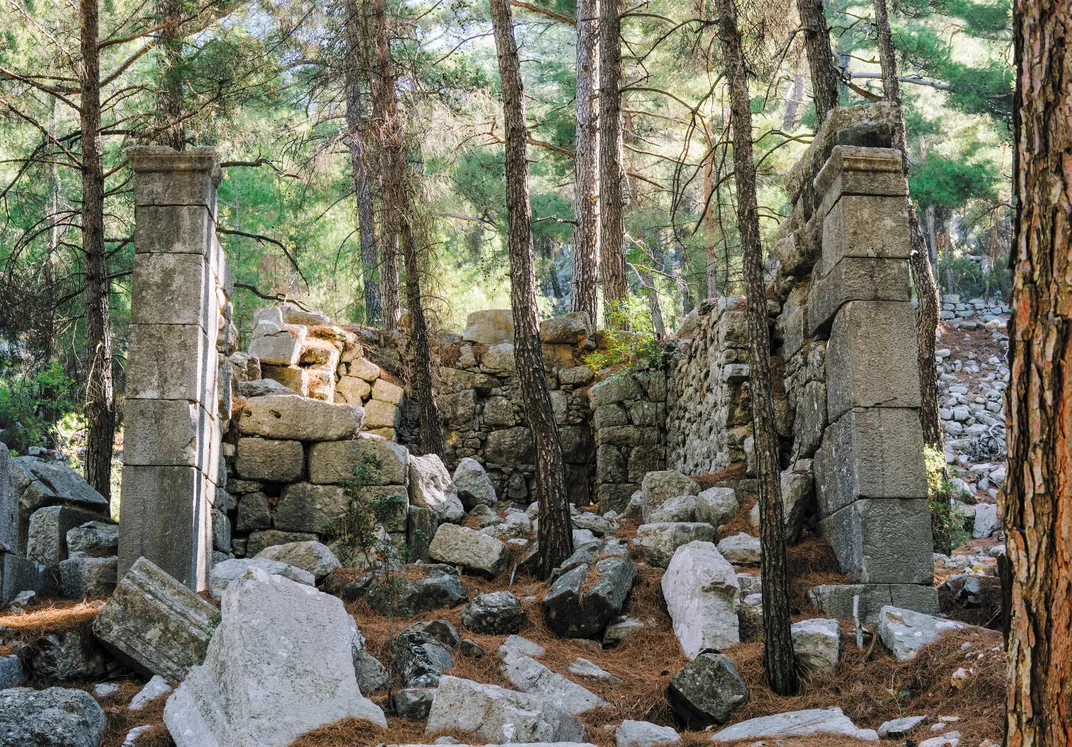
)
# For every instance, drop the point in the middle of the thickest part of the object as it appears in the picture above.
(169, 177)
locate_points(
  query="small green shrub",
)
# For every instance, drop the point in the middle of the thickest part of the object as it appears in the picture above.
(36, 409)
(947, 524)
(629, 341)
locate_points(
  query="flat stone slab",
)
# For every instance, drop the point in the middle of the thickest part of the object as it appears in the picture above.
(905, 632)
(812, 722)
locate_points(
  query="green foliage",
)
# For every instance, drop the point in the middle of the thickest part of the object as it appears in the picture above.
(32, 405)
(947, 524)
(629, 342)
(951, 182)
(359, 534)
(967, 277)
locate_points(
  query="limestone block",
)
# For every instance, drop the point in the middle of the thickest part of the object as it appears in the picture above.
(9, 504)
(810, 419)
(22, 574)
(883, 540)
(163, 432)
(569, 329)
(309, 555)
(95, 539)
(254, 512)
(854, 279)
(660, 541)
(817, 645)
(575, 376)
(57, 716)
(173, 289)
(489, 327)
(473, 484)
(46, 542)
(871, 358)
(270, 460)
(173, 229)
(613, 390)
(707, 691)
(321, 384)
(299, 419)
(918, 597)
(870, 453)
(169, 361)
(84, 577)
(457, 409)
(380, 414)
(812, 722)
(659, 487)
(319, 352)
(364, 369)
(278, 344)
(645, 458)
(905, 632)
(334, 462)
(385, 391)
(260, 541)
(353, 389)
(510, 446)
(303, 507)
(701, 590)
(716, 506)
(865, 226)
(156, 622)
(473, 550)
(836, 600)
(168, 178)
(499, 358)
(294, 378)
(530, 676)
(856, 170)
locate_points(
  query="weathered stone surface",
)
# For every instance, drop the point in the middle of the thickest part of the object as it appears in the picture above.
(334, 462)
(660, 541)
(294, 378)
(42, 483)
(871, 358)
(813, 722)
(380, 415)
(494, 714)
(707, 691)
(701, 590)
(659, 487)
(9, 504)
(750, 617)
(95, 539)
(716, 506)
(277, 344)
(83, 577)
(899, 727)
(258, 542)
(56, 717)
(569, 329)
(817, 645)
(265, 388)
(530, 676)
(279, 665)
(836, 600)
(986, 520)
(584, 599)
(855, 279)
(418, 659)
(371, 674)
(11, 672)
(436, 587)
(304, 507)
(740, 548)
(644, 734)
(430, 486)
(21, 575)
(681, 508)
(229, 571)
(254, 512)
(495, 613)
(883, 540)
(156, 622)
(905, 632)
(364, 369)
(353, 390)
(46, 541)
(154, 689)
(299, 419)
(473, 550)
(510, 446)
(310, 556)
(269, 460)
(473, 484)
(499, 359)
(612, 390)
(65, 655)
(162, 432)
(489, 327)
(413, 703)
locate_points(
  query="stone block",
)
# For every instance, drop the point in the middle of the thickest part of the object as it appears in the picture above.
(173, 289)
(167, 177)
(169, 361)
(165, 518)
(916, 597)
(299, 419)
(871, 358)
(173, 229)
(46, 542)
(278, 344)
(865, 226)
(85, 577)
(569, 329)
(9, 504)
(22, 574)
(294, 378)
(94, 539)
(489, 327)
(260, 541)
(613, 390)
(836, 600)
(254, 512)
(883, 540)
(310, 508)
(870, 453)
(614, 496)
(792, 322)
(353, 389)
(855, 279)
(510, 446)
(163, 432)
(856, 170)
(266, 459)
(810, 419)
(334, 462)
(156, 623)
(578, 447)
(385, 391)
(380, 414)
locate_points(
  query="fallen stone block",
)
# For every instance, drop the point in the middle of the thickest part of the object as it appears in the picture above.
(58, 717)
(430, 486)
(83, 577)
(156, 623)
(530, 676)
(489, 327)
(496, 613)
(707, 691)
(225, 573)
(644, 734)
(95, 539)
(473, 550)
(313, 557)
(46, 541)
(293, 418)
(701, 590)
(817, 645)
(812, 722)
(586, 598)
(661, 541)
(905, 632)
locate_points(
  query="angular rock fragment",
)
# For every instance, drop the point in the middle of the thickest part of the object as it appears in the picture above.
(707, 691)
(57, 717)
(812, 722)
(701, 591)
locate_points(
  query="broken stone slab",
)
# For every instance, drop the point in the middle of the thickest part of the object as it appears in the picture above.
(83, 577)
(157, 623)
(96, 539)
(299, 419)
(899, 727)
(473, 484)
(489, 327)
(154, 689)
(280, 664)
(661, 541)
(817, 645)
(701, 590)
(311, 556)
(226, 573)
(585, 599)
(519, 645)
(430, 486)
(46, 540)
(277, 344)
(58, 717)
(644, 734)
(530, 676)
(584, 668)
(42, 483)
(496, 715)
(659, 487)
(707, 691)
(905, 632)
(811, 722)
(473, 550)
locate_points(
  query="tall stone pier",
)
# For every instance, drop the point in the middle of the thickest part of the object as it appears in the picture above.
(171, 417)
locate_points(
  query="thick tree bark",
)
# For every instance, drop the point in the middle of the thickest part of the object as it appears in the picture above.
(778, 657)
(1037, 503)
(586, 163)
(100, 399)
(611, 173)
(389, 139)
(824, 74)
(171, 131)
(555, 534)
(919, 259)
(356, 125)
(791, 115)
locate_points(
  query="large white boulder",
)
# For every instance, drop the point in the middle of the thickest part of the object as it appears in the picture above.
(473, 484)
(530, 676)
(497, 715)
(430, 486)
(812, 722)
(280, 664)
(700, 588)
(473, 550)
(661, 540)
(905, 632)
(227, 572)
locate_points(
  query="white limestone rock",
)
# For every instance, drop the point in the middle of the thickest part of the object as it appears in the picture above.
(716, 506)
(905, 632)
(811, 722)
(742, 548)
(530, 676)
(660, 541)
(225, 573)
(308, 555)
(817, 645)
(473, 550)
(473, 484)
(644, 734)
(430, 486)
(701, 590)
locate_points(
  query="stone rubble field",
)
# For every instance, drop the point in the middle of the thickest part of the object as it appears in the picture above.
(649, 634)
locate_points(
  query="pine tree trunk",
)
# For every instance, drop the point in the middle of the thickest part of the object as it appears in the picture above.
(792, 103)
(389, 139)
(100, 399)
(611, 173)
(919, 259)
(586, 163)
(356, 125)
(824, 74)
(171, 132)
(554, 534)
(1037, 503)
(778, 656)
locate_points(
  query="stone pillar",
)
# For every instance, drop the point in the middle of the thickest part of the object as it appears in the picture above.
(870, 474)
(171, 419)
